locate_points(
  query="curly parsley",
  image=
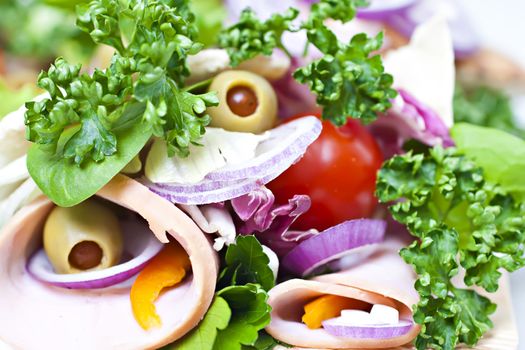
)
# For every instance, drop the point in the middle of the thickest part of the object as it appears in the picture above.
(251, 37)
(152, 40)
(349, 80)
(459, 220)
(485, 106)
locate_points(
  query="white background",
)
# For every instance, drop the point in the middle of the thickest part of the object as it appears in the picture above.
(501, 25)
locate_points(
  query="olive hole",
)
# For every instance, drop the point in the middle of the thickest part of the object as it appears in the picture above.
(85, 255)
(242, 101)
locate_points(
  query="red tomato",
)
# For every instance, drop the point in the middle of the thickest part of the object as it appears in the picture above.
(338, 172)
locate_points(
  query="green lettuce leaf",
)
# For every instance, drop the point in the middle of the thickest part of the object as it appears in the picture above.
(501, 155)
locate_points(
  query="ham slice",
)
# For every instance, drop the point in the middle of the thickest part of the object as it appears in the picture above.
(37, 316)
(384, 278)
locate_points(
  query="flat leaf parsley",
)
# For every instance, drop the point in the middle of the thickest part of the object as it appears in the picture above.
(242, 298)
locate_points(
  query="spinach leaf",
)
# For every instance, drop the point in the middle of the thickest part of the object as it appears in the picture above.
(68, 184)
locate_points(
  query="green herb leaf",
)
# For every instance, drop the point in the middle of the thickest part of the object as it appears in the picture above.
(501, 155)
(264, 342)
(342, 10)
(153, 40)
(246, 262)
(347, 81)
(485, 106)
(233, 323)
(95, 102)
(250, 314)
(68, 184)
(459, 219)
(251, 37)
(177, 115)
(203, 337)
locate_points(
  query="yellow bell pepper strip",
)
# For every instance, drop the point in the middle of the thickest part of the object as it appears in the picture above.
(327, 307)
(165, 270)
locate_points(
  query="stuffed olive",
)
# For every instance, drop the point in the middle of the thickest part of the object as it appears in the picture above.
(84, 237)
(248, 102)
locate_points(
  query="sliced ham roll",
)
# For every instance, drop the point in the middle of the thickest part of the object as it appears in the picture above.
(384, 278)
(39, 316)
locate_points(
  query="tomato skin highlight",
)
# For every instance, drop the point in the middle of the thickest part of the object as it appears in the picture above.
(338, 172)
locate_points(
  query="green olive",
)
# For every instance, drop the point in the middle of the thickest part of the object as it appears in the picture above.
(84, 237)
(247, 102)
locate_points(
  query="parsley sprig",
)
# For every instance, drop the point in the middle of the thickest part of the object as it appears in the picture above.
(349, 80)
(92, 124)
(152, 40)
(251, 37)
(485, 106)
(240, 310)
(459, 220)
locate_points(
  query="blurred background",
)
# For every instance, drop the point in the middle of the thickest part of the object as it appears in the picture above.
(34, 32)
(502, 29)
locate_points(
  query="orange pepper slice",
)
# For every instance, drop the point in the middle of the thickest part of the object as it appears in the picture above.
(165, 270)
(327, 307)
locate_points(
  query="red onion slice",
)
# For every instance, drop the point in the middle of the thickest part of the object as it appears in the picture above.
(218, 191)
(382, 331)
(139, 242)
(381, 9)
(334, 243)
(285, 145)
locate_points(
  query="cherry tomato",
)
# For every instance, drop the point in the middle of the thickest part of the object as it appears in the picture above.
(338, 172)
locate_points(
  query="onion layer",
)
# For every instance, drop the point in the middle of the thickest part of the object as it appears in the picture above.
(382, 331)
(334, 243)
(139, 242)
(284, 146)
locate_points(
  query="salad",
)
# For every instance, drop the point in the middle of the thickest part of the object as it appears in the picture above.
(331, 174)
